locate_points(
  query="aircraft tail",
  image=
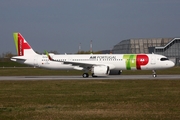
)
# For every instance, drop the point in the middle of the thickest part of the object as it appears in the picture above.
(22, 46)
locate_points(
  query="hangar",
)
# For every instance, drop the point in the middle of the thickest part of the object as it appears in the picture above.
(169, 47)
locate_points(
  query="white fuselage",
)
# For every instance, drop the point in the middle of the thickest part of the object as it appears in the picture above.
(114, 61)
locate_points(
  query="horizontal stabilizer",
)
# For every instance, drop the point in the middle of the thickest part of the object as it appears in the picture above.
(17, 58)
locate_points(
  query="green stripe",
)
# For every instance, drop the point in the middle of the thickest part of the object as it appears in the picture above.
(130, 61)
(16, 41)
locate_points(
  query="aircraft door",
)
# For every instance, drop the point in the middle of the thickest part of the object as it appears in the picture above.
(36, 61)
(153, 59)
(70, 59)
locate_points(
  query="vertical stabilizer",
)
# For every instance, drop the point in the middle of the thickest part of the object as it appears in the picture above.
(22, 46)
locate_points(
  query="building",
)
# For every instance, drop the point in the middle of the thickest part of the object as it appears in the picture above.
(169, 47)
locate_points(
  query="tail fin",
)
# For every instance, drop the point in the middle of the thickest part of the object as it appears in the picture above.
(22, 46)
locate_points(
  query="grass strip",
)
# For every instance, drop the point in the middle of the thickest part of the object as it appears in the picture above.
(92, 99)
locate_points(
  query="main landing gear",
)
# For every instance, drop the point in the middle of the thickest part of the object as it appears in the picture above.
(85, 75)
(154, 73)
(93, 75)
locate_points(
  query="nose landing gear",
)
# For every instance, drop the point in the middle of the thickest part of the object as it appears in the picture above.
(154, 73)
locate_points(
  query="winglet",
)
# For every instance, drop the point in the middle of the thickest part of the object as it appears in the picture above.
(50, 58)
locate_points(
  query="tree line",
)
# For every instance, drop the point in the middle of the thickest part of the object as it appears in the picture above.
(6, 56)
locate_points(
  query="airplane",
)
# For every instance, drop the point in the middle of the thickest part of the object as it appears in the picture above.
(97, 64)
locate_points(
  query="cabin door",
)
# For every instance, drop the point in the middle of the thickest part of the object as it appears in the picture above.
(36, 61)
(153, 59)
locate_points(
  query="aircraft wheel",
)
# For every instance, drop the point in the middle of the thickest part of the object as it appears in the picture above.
(85, 75)
(154, 75)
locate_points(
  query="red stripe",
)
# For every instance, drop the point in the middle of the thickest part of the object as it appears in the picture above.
(22, 45)
(26, 46)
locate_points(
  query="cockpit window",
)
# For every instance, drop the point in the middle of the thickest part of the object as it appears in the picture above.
(163, 59)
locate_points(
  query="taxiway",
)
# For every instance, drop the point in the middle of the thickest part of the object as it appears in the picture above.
(111, 77)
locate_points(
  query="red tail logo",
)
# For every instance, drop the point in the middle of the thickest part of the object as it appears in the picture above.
(22, 44)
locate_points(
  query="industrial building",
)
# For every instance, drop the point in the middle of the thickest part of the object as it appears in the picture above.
(169, 47)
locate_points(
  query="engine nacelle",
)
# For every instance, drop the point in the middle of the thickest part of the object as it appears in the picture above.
(115, 72)
(100, 70)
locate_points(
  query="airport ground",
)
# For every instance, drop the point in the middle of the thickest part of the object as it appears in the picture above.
(30, 71)
(88, 99)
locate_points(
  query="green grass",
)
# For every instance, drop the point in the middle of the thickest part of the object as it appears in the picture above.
(88, 99)
(11, 64)
(92, 99)
(37, 71)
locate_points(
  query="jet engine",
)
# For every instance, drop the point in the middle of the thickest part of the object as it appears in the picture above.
(100, 71)
(115, 72)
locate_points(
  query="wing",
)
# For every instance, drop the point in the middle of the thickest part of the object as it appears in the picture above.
(81, 64)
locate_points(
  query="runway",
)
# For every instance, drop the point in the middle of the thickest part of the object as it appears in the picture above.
(111, 77)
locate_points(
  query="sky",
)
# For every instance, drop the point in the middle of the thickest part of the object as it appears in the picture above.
(61, 25)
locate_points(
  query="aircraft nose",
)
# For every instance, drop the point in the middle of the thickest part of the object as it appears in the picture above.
(171, 64)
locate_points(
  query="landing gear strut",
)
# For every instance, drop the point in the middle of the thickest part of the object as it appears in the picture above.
(93, 75)
(154, 73)
(85, 75)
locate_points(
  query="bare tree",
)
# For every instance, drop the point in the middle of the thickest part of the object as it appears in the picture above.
(6, 56)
